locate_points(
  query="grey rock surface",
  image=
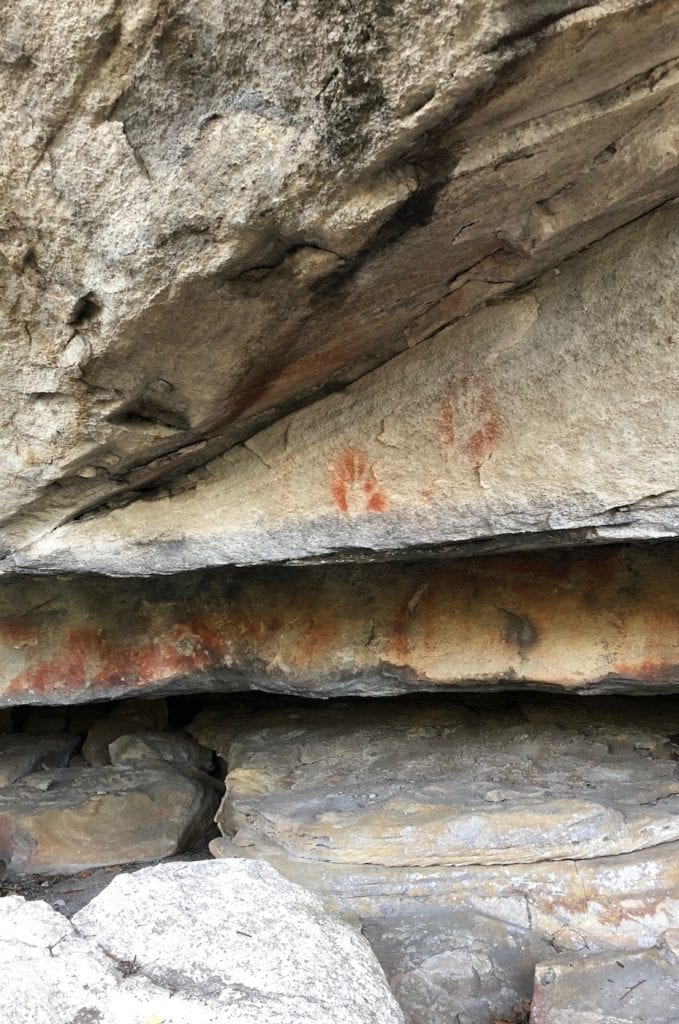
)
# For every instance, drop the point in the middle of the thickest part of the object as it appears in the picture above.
(469, 840)
(130, 717)
(526, 418)
(163, 748)
(610, 988)
(212, 216)
(403, 787)
(201, 943)
(70, 819)
(20, 754)
(455, 965)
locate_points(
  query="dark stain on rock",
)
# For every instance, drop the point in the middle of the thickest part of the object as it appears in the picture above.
(88, 1015)
(519, 631)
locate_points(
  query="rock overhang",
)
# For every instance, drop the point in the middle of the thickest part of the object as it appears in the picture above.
(594, 620)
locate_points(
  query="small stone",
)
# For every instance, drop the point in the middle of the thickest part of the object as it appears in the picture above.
(20, 754)
(163, 748)
(102, 816)
(131, 716)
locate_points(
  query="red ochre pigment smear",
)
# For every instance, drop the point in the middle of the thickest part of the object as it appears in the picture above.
(477, 399)
(482, 442)
(447, 427)
(354, 485)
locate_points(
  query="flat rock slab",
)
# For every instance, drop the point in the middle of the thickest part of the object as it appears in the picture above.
(399, 788)
(68, 819)
(22, 754)
(201, 943)
(610, 988)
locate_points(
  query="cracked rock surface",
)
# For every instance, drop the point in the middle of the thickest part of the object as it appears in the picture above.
(592, 620)
(557, 825)
(605, 988)
(201, 943)
(215, 215)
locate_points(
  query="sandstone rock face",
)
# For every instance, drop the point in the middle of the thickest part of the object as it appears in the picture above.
(526, 418)
(636, 988)
(67, 819)
(213, 216)
(452, 788)
(205, 943)
(593, 620)
(558, 823)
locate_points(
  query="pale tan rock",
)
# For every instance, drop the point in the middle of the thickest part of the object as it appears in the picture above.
(20, 754)
(189, 943)
(454, 788)
(526, 419)
(68, 819)
(530, 823)
(129, 717)
(388, 172)
(158, 747)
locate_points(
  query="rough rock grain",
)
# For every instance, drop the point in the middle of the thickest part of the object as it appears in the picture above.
(609, 988)
(403, 787)
(547, 415)
(21, 755)
(213, 215)
(535, 814)
(70, 818)
(595, 620)
(200, 943)
(448, 965)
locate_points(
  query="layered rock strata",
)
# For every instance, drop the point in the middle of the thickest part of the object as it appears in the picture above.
(593, 620)
(556, 825)
(197, 239)
(545, 418)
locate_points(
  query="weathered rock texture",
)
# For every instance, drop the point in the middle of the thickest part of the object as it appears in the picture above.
(637, 988)
(67, 819)
(599, 619)
(557, 821)
(201, 943)
(213, 215)
(444, 964)
(21, 755)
